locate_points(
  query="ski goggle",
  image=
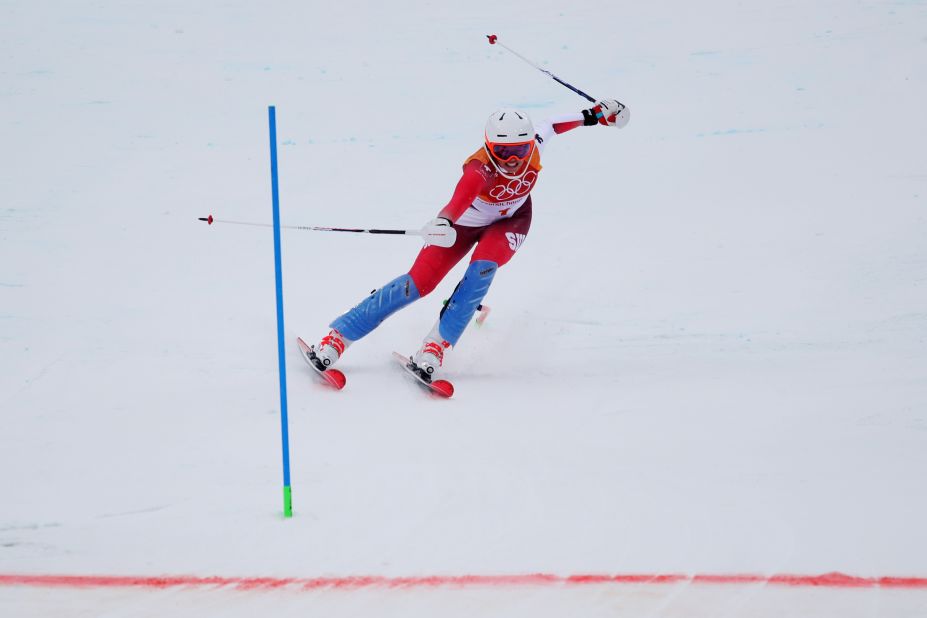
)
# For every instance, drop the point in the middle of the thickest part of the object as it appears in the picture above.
(511, 152)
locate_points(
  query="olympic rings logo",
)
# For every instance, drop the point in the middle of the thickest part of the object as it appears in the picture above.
(515, 187)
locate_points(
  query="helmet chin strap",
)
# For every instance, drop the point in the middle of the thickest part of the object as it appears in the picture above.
(492, 159)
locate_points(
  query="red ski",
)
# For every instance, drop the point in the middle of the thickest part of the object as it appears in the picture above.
(331, 376)
(441, 388)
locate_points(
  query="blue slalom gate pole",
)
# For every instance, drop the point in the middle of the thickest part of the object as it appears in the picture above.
(281, 348)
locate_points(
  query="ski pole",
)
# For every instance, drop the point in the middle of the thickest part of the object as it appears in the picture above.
(482, 309)
(440, 236)
(494, 40)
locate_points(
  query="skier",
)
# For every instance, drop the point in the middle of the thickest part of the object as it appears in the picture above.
(490, 208)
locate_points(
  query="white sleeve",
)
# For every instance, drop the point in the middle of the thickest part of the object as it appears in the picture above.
(545, 128)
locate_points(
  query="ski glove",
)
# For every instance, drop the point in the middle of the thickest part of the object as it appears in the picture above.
(440, 232)
(607, 112)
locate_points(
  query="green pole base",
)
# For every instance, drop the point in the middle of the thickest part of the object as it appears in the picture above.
(287, 501)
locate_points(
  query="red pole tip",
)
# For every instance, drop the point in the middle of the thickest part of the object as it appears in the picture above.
(209, 220)
(492, 38)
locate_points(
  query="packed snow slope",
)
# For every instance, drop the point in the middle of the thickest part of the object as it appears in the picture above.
(709, 355)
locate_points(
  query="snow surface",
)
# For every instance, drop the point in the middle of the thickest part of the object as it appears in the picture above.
(708, 357)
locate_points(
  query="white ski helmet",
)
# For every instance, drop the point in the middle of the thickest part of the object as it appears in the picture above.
(509, 134)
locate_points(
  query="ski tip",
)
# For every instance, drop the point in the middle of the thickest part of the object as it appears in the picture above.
(438, 388)
(442, 388)
(334, 377)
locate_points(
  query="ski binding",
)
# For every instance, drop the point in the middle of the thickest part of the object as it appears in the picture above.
(441, 388)
(331, 376)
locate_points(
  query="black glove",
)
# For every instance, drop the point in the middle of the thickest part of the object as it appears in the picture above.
(607, 112)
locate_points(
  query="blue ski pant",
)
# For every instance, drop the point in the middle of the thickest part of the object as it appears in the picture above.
(495, 244)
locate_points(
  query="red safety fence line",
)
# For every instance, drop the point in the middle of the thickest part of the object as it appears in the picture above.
(827, 580)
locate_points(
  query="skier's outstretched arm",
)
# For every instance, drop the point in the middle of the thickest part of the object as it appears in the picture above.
(608, 112)
(468, 187)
